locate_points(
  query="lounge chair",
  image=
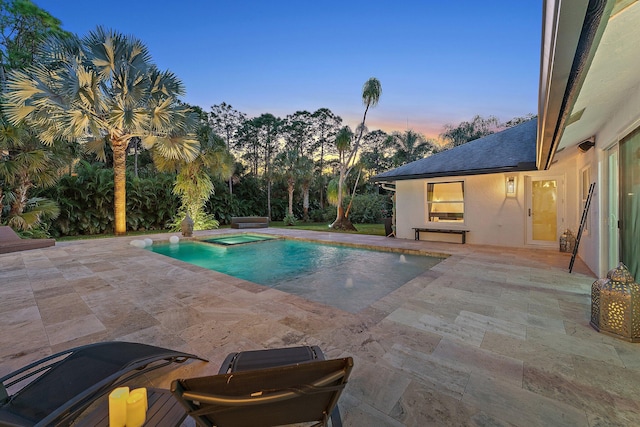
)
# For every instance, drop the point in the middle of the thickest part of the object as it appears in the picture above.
(11, 242)
(66, 383)
(267, 388)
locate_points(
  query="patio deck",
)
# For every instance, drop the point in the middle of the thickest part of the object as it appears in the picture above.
(490, 336)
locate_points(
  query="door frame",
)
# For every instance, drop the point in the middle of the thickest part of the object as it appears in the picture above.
(611, 219)
(560, 209)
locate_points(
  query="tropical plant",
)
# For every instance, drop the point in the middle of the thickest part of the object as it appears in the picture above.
(478, 127)
(103, 90)
(348, 151)
(325, 126)
(410, 146)
(286, 165)
(369, 208)
(226, 122)
(25, 165)
(23, 27)
(289, 219)
(194, 181)
(377, 150)
(306, 176)
(268, 129)
(86, 201)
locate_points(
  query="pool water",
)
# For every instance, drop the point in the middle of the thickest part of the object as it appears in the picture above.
(343, 277)
(238, 239)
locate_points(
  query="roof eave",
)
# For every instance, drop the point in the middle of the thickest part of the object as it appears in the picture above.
(571, 32)
(521, 167)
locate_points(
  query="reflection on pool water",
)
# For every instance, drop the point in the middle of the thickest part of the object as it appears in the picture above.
(343, 277)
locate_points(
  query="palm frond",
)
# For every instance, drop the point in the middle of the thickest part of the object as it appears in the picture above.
(177, 147)
(371, 91)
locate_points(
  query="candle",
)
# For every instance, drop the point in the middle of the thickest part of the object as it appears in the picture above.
(118, 407)
(137, 408)
(144, 392)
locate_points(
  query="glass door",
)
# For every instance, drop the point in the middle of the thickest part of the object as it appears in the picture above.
(544, 205)
(629, 164)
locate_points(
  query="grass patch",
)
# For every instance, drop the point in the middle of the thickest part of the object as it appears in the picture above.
(371, 229)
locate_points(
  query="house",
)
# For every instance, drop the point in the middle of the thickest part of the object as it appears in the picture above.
(524, 186)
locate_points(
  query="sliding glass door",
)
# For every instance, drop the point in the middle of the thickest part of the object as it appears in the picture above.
(629, 164)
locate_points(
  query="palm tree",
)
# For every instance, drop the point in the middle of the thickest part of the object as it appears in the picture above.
(306, 168)
(103, 90)
(26, 164)
(371, 92)
(286, 166)
(343, 145)
(410, 146)
(193, 183)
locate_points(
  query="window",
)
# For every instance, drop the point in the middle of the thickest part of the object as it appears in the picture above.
(445, 202)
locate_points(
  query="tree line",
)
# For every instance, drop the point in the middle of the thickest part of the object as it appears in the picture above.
(71, 105)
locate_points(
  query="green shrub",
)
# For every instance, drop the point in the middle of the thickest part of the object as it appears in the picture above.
(289, 220)
(86, 201)
(369, 208)
(328, 214)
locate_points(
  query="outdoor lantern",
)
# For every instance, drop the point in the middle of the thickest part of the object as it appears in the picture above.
(187, 226)
(615, 305)
(511, 186)
(567, 241)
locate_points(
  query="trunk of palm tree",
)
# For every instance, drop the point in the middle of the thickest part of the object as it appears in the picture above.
(135, 161)
(321, 172)
(119, 185)
(353, 194)
(342, 222)
(305, 201)
(20, 201)
(290, 188)
(269, 198)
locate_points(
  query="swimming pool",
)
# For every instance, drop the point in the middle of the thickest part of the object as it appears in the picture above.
(343, 277)
(238, 239)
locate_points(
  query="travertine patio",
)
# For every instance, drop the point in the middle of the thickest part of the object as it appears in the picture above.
(491, 336)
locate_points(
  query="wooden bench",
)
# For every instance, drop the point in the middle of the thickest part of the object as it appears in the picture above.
(463, 233)
(11, 242)
(249, 222)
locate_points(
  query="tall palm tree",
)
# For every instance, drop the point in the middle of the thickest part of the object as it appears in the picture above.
(371, 91)
(103, 90)
(306, 167)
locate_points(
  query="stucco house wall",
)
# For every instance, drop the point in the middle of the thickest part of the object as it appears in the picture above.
(491, 217)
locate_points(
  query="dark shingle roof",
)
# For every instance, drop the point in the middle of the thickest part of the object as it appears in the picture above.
(513, 149)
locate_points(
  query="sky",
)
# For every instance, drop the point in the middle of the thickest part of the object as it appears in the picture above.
(439, 62)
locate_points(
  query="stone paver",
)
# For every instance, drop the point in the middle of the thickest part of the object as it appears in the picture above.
(489, 336)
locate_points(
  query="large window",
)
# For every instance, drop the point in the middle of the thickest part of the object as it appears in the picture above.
(445, 202)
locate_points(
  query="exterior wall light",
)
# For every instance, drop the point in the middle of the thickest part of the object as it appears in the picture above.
(511, 186)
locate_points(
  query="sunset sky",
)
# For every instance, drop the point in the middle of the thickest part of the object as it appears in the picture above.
(438, 62)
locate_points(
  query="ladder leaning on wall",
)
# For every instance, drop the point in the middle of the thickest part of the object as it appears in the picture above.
(585, 211)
